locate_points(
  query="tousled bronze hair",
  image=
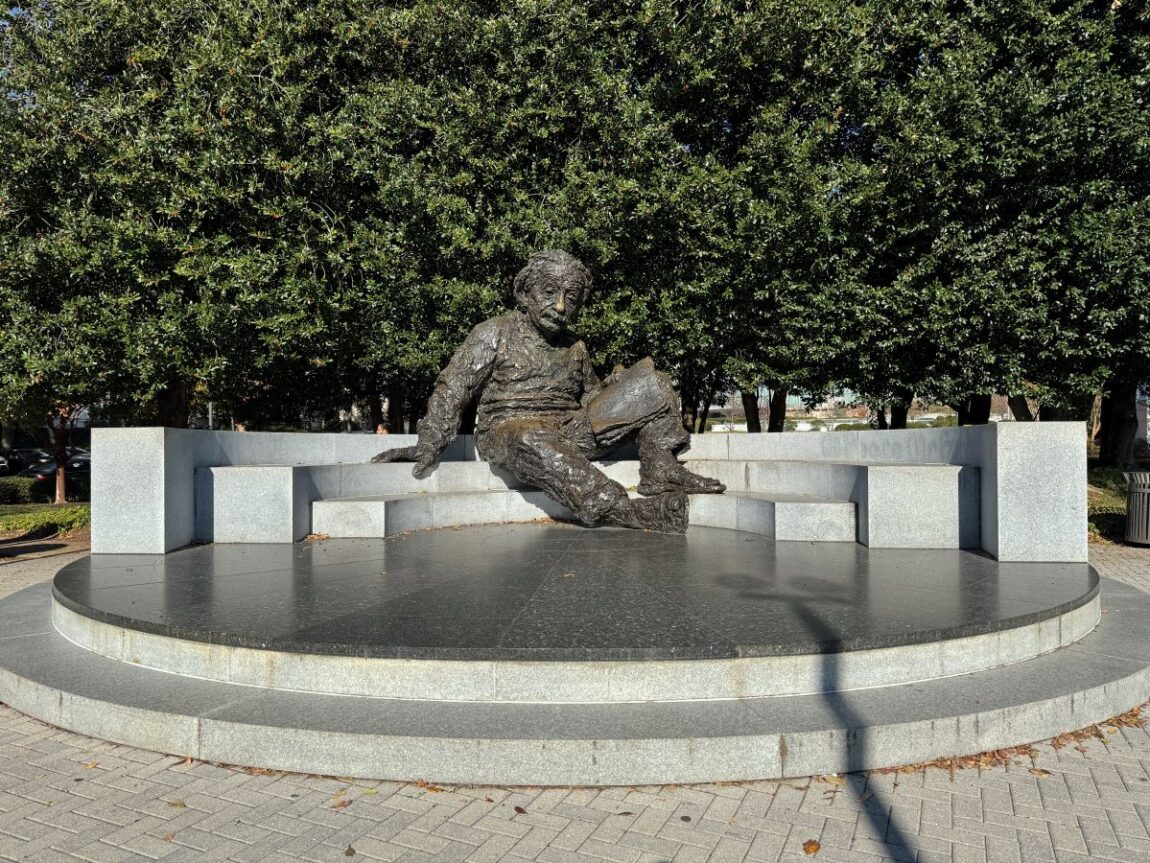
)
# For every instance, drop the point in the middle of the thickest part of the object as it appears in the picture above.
(547, 264)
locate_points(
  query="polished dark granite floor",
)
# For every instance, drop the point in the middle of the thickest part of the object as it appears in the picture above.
(547, 592)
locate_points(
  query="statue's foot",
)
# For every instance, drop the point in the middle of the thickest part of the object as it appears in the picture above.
(675, 477)
(666, 513)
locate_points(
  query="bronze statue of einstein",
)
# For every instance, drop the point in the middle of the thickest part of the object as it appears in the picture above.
(543, 414)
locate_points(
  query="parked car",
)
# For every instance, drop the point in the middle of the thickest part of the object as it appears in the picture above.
(19, 459)
(4, 466)
(77, 479)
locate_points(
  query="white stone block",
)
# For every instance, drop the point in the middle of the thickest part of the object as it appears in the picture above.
(265, 503)
(1034, 491)
(128, 491)
(348, 519)
(707, 446)
(919, 506)
(814, 521)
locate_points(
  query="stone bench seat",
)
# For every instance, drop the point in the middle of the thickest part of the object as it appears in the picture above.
(780, 517)
(1015, 490)
(886, 505)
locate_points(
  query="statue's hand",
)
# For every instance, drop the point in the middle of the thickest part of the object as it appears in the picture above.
(423, 458)
(614, 376)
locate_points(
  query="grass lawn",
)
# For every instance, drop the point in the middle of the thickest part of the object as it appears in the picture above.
(1106, 504)
(43, 518)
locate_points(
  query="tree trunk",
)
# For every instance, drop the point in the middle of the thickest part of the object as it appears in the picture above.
(883, 425)
(898, 414)
(173, 405)
(900, 408)
(1094, 425)
(375, 412)
(690, 411)
(61, 429)
(705, 412)
(395, 408)
(980, 409)
(1119, 429)
(1020, 409)
(751, 409)
(777, 418)
(6, 436)
(975, 411)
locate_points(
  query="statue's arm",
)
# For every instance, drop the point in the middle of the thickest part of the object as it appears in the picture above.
(457, 386)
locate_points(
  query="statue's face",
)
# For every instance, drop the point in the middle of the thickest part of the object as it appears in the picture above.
(552, 299)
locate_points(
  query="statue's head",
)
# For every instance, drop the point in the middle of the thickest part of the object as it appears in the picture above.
(551, 290)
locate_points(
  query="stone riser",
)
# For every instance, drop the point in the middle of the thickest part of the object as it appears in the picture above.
(569, 682)
(47, 677)
(898, 506)
(800, 520)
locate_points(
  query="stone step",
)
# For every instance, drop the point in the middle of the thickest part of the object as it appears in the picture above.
(898, 506)
(780, 517)
(523, 679)
(50, 678)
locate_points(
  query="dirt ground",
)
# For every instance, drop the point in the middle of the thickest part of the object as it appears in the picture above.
(21, 545)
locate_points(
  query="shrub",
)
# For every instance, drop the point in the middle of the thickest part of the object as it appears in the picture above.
(46, 518)
(16, 489)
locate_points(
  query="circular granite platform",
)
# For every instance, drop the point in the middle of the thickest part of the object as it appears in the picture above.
(546, 613)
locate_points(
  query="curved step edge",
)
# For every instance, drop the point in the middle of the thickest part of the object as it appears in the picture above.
(1105, 674)
(507, 681)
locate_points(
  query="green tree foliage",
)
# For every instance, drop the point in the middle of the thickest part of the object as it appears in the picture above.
(1000, 183)
(287, 208)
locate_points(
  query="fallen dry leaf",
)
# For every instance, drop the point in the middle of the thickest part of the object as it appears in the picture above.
(91, 765)
(427, 786)
(811, 847)
(341, 804)
(168, 837)
(177, 804)
(349, 852)
(834, 779)
(624, 813)
(1038, 771)
(1129, 719)
(980, 761)
(367, 792)
(519, 810)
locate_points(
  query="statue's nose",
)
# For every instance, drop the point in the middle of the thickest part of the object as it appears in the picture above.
(559, 307)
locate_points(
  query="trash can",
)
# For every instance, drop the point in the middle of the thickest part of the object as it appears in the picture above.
(1138, 507)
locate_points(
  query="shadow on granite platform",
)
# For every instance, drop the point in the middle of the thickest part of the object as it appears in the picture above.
(553, 593)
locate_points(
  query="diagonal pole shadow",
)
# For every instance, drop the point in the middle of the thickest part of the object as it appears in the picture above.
(877, 809)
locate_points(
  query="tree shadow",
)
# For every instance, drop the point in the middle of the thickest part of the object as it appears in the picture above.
(35, 548)
(43, 532)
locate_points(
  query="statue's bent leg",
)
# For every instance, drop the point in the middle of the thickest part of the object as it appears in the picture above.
(643, 404)
(539, 454)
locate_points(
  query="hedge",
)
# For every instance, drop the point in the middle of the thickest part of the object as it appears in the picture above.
(16, 489)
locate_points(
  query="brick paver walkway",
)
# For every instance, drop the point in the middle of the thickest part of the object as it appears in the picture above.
(64, 797)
